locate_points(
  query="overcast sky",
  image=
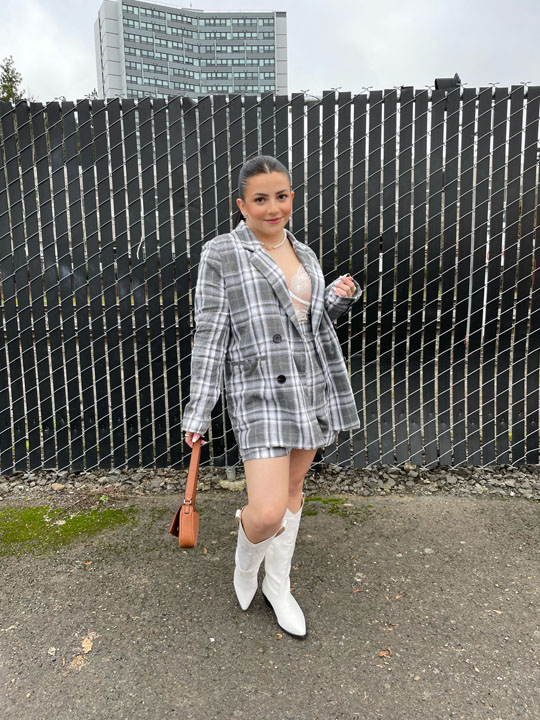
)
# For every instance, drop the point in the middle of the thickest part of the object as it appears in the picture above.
(351, 44)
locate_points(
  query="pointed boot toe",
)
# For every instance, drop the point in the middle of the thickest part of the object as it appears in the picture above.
(288, 612)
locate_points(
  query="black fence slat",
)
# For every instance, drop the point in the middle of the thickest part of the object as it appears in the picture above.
(106, 358)
(63, 290)
(236, 135)
(168, 433)
(223, 187)
(121, 282)
(478, 276)
(494, 264)
(88, 296)
(28, 289)
(298, 164)
(402, 273)
(371, 367)
(268, 146)
(72, 335)
(432, 276)
(251, 126)
(314, 181)
(149, 360)
(282, 129)
(529, 233)
(14, 445)
(328, 214)
(463, 275)
(448, 279)
(508, 420)
(417, 275)
(131, 295)
(149, 155)
(343, 250)
(524, 270)
(388, 261)
(358, 270)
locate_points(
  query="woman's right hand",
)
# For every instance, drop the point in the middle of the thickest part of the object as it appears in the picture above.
(192, 438)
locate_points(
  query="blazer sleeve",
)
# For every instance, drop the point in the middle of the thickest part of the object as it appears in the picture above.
(212, 331)
(336, 305)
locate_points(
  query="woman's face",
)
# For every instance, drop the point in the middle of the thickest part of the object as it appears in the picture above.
(267, 203)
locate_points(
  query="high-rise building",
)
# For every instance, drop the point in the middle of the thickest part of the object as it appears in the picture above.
(145, 48)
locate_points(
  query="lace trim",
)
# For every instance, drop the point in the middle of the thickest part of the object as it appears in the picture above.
(301, 282)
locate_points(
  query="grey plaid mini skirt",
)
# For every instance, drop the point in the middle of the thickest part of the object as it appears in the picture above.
(314, 383)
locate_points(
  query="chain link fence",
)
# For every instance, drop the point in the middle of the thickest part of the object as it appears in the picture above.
(428, 197)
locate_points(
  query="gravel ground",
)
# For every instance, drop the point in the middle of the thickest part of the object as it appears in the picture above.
(502, 480)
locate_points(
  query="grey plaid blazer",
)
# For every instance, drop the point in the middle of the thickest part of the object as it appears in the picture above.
(245, 323)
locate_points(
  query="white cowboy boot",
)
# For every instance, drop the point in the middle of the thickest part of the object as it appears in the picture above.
(276, 586)
(248, 558)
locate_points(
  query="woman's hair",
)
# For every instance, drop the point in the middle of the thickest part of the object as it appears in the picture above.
(258, 165)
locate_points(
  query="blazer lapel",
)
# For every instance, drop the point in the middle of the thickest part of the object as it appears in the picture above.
(263, 261)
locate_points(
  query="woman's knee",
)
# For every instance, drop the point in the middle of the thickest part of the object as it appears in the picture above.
(268, 517)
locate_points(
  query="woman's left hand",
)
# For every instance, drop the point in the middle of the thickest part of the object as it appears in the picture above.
(345, 287)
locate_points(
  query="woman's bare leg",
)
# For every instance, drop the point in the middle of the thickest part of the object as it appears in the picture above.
(300, 462)
(267, 481)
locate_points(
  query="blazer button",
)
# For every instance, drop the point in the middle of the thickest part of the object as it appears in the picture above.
(281, 378)
(277, 338)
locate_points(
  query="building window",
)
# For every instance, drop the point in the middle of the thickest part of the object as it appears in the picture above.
(218, 88)
(246, 75)
(181, 19)
(181, 31)
(230, 48)
(260, 48)
(186, 86)
(155, 68)
(244, 34)
(215, 35)
(186, 73)
(203, 22)
(130, 9)
(154, 27)
(216, 75)
(244, 21)
(149, 12)
(139, 38)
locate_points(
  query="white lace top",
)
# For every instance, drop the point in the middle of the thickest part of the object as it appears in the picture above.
(300, 291)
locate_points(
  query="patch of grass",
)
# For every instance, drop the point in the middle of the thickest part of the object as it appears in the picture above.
(37, 529)
(334, 507)
(326, 501)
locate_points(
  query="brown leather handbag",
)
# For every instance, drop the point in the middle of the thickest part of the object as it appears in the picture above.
(185, 525)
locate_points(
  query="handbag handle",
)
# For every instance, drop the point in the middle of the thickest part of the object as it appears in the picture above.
(193, 473)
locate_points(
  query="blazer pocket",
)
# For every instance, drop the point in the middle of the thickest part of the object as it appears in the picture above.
(247, 363)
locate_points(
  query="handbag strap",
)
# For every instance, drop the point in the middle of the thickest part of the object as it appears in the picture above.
(193, 473)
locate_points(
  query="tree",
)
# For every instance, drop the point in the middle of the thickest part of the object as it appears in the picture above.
(10, 81)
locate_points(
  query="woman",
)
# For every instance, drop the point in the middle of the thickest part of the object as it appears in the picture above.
(264, 320)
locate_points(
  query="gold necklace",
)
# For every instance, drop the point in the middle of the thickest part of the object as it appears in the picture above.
(273, 247)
